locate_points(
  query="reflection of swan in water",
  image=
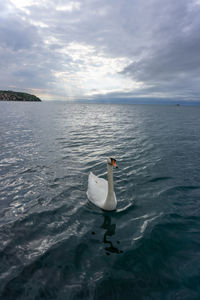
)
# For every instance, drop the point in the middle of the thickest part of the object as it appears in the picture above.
(110, 231)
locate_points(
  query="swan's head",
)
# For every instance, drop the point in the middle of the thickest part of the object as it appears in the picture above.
(111, 161)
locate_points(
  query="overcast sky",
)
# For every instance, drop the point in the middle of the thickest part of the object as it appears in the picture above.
(89, 48)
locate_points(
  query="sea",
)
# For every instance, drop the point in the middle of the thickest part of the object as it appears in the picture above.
(55, 244)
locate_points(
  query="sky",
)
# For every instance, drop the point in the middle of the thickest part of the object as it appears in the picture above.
(94, 49)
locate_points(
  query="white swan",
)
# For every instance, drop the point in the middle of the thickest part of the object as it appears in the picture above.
(100, 191)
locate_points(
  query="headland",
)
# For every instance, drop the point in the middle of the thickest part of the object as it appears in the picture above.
(18, 96)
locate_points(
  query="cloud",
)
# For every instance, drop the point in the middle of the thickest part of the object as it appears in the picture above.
(70, 6)
(90, 48)
(171, 66)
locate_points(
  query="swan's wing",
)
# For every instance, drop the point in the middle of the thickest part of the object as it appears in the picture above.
(97, 190)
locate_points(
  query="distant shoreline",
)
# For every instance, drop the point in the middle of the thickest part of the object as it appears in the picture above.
(18, 97)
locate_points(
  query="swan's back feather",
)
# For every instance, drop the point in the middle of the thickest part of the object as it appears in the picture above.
(97, 190)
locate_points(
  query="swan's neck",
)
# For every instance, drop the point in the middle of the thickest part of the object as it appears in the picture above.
(110, 179)
(110, 202)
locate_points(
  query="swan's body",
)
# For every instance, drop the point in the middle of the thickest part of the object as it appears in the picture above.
(100, 191)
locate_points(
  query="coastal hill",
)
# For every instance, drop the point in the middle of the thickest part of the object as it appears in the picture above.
(17, 96)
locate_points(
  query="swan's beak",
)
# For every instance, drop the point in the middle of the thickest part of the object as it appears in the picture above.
(114, 163)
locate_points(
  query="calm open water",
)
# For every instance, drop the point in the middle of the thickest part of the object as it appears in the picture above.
(56, 245)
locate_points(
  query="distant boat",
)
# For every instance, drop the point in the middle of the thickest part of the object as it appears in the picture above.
(177, 104)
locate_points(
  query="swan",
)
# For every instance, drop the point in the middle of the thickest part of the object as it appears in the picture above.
(100, 191)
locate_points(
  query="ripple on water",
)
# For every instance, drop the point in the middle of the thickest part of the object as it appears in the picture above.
(54, 244)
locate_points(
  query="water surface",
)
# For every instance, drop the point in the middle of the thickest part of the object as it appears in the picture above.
(54, 244)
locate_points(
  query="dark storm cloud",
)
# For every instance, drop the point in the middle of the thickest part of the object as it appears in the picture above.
(160, 40)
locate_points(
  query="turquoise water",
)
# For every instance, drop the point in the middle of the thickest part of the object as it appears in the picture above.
(54, 244)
